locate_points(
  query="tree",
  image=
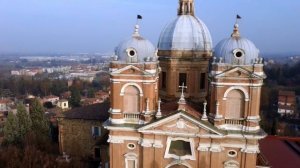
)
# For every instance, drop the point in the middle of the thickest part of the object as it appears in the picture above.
(23, 120)
(40, 125)
(75, 97)
(91, 93)
(10, 129)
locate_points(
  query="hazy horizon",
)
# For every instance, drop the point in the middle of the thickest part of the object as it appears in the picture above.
(97, 26)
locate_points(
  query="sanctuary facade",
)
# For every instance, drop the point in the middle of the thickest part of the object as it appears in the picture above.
(183, 104)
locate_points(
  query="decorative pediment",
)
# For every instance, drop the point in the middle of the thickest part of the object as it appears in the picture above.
(238, 72)
(231, 164)
(130, 70)
(181, 123)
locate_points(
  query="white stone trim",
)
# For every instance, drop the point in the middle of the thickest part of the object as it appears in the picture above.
(115, 111)
(246, 94)
(252, 137)
(131, 80)
(117, 121)
(182, 134)
(178, 162)
(251, 149)
(114, 140)
(131, 156)
(235, 145)
(231, 164)
(152, 71)
(143, 142)
(157, 144)
(203, 147)
(230, 127)
(124, 138)
(259, 73)
(116, 128)
(131, 84)
(186, 157)
(255, 118)
(238, 127)
(245, 128)
(216, 148)
(113, 69)
(171, 118)
(236, 84)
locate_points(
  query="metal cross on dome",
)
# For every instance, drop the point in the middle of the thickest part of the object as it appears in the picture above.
(182, 90)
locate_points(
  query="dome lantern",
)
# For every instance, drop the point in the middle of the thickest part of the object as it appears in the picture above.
(186, 7)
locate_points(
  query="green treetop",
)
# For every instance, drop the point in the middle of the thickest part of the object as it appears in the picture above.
(40, 124)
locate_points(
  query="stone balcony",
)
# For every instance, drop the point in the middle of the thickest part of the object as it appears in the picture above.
(131, 117)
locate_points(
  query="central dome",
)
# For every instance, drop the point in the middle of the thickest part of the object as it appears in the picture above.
(186, 33)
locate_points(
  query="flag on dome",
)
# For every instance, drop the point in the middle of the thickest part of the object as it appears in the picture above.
(139, 17)
(238, 17)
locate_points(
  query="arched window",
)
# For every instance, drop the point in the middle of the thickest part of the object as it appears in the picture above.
(235, 105)
(131, 100)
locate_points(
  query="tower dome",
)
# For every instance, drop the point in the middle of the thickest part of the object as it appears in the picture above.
(136, 49)
(236, 49)
(186, 32)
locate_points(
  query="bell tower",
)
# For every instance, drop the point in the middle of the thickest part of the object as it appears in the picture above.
(236, 79)
(184, 50)
(134, 81)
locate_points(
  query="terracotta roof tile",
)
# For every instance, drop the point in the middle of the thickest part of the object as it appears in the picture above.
(170, 107)
(281, 151)
(91, 112)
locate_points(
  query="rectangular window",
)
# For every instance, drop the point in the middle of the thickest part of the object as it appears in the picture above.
(96, 131)
(180, 148)
(182, 79)
(97, 153)
(164, 80)
(131, 164)
(202, 81)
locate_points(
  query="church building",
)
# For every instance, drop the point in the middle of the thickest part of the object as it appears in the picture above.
(216, 95)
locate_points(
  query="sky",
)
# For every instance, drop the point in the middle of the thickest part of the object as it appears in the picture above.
(98, 26)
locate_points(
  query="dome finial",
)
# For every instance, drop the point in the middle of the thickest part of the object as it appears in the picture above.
(136, 30)
(236, 32)
(137, 27)
(186, 7)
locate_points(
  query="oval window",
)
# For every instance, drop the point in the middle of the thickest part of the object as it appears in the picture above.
(131, 52)
(131, 146)
(232, 153)
(238, 53)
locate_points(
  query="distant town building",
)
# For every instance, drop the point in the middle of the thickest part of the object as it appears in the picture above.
(89, 101)
(102, 95)
(286, 102)
(51, 98)
(67, 94)
(27, 72)
(63, 104)
(81, 132)
(5, 104)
